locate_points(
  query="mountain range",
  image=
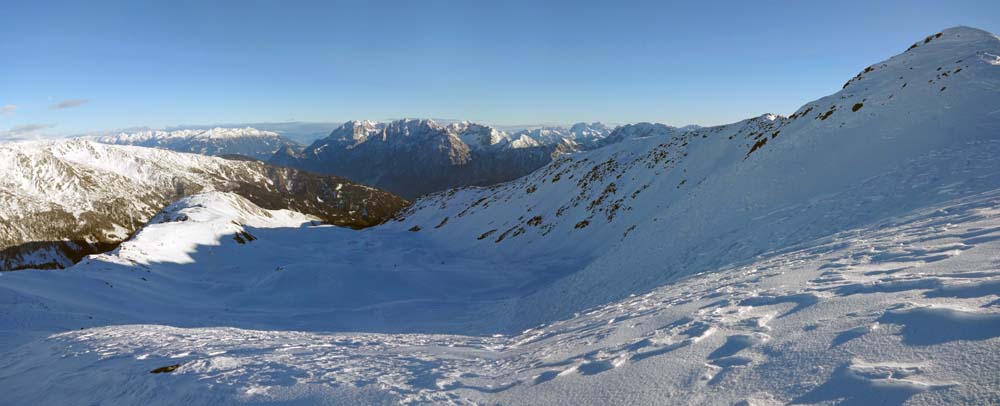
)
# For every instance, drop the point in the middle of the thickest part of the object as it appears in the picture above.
(413, 157)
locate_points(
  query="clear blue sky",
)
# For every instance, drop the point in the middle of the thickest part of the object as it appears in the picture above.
(160, 63)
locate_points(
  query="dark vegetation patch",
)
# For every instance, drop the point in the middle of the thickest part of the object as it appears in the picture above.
(165, 370)
(511, 232)
(639, 190)
(827, 115)
(582, 224)
(628, 230)
(926, 41)
(609, 190)
(534, 221)
(612, 210)
(473, 205)
(756, 146)
(486, 234)
(857, 106)
(414, 229)
(801, 114)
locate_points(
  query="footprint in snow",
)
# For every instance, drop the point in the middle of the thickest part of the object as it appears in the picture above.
(862, 383)
(925, 325)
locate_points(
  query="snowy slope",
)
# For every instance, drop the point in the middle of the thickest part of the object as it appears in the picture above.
(901, 311)
(842, 255)
(720, 195)
(60, 200)
(249, 142)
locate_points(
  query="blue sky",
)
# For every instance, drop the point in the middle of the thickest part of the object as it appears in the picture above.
(76, 66)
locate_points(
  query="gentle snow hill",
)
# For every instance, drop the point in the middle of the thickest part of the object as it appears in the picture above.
(845, 254)
(60, 200)
(218, 141)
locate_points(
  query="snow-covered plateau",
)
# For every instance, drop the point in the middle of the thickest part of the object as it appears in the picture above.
(846, 254)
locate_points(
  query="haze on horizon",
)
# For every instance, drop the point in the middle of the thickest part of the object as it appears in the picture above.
(72, 67)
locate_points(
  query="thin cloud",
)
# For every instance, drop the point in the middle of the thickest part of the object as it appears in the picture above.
(7, 110)
(25, 132)
(66, 104)
(29, 128)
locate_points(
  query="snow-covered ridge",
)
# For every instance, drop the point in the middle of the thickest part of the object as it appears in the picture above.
(246, 141)
(218, 132)
(175, 233)
(744, 187)
(580, 136)
(62, 198)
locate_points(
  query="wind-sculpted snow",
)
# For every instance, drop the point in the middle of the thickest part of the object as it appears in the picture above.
(844, 254)
(61, 200)
(738, 334)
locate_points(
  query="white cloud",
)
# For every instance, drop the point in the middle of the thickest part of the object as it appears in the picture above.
(7, 110)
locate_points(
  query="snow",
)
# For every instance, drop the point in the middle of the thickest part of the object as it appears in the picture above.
(246, 141)
(200, 220)
(217, 132)
(848, 258)
(81, 190)
(579, 135)
(474, 136)
(747, 332)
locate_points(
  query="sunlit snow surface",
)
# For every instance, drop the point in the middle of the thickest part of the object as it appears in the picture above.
(850, 260)
(903, 310)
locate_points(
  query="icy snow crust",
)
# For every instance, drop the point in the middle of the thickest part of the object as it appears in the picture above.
(840, 255)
